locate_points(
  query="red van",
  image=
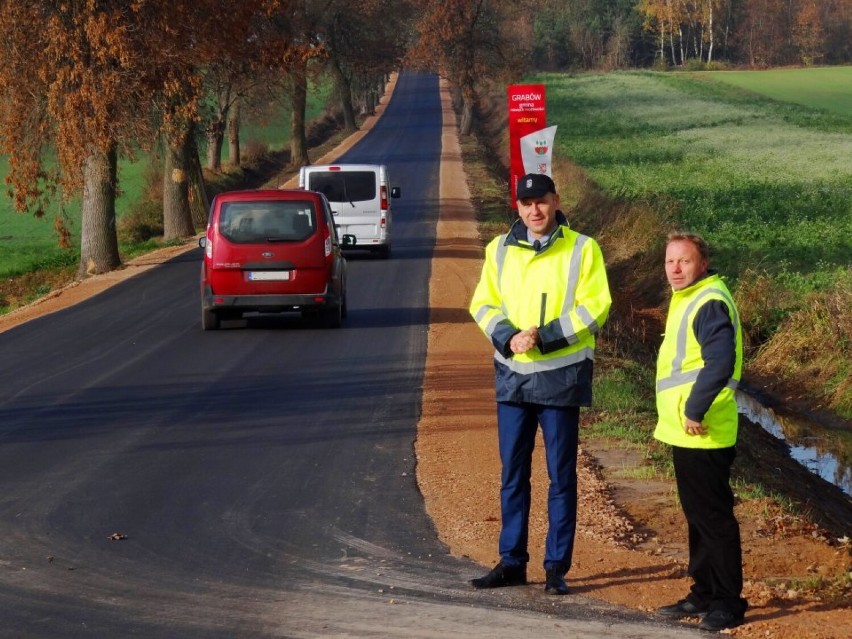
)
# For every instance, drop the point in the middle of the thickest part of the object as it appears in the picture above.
(272, 251)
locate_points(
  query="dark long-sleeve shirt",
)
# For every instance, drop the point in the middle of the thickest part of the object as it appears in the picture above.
(716, 334)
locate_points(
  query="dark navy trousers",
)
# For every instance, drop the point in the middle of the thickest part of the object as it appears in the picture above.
(517, 425)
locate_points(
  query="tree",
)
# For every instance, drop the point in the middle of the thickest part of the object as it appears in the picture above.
(465, 41)
(217, 124)
(286, 43)
(99, 246)
(235, 67)
(690, 30)
(177, 213)
(808, 34)
(75, 91)
(298, 74)
(364, 40)
(658, 20)
(837, 23)
(618, 45)
(173, 85)
(584, 33)
(551, 25)
(234, 134)
(761, 32)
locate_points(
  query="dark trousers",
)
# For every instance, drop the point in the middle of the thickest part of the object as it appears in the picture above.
(715, 554)
(517, 425)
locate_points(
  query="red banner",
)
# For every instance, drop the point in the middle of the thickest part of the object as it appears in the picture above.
(527, 114)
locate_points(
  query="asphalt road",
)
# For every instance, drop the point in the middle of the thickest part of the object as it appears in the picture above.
(258, 481)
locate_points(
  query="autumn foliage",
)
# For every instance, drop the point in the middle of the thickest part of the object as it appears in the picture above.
(753, 32)
(86, 81)
(468, 42)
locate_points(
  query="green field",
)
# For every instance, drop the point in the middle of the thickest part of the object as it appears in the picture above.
(762, 169)
(828, 88)
(768, 183)
(28, 243)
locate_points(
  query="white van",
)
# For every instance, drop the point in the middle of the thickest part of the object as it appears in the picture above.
(360, 198)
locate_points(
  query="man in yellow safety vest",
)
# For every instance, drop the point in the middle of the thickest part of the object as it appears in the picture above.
(698, 367)
(542, 296)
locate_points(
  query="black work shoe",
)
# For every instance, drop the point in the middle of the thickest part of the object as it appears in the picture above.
(554, 583)
(683, 608)
(720, 620)
(501, 576)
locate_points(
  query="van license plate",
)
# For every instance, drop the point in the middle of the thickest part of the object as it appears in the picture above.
(268, 276)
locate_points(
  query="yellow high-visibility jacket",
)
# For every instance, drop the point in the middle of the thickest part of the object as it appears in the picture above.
(680, 364)
(561, 288)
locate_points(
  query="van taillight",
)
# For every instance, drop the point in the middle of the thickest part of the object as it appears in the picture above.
(208, 248)
(384, 198)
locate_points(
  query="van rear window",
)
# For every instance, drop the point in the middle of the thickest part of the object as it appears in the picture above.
(344, 186)
(270, 221)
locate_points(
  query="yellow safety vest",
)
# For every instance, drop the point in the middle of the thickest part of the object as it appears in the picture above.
(566, 282)
(679, 363)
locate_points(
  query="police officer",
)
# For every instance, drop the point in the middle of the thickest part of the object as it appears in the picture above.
(542, 296)
(698, 367)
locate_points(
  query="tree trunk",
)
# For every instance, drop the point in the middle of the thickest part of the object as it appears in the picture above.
(466, 124)
(199, 202)
(215, 134)
(177, 217)
(298, 138)
(99, 240)
(710, 29)
(671, 32)
(234, 134)
(345, 91)
(370, 101)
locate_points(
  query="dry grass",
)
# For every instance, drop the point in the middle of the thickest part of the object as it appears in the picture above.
(23, 289)
(762, 303)
(811, 349)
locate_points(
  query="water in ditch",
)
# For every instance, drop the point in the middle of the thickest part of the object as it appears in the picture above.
(826, 452)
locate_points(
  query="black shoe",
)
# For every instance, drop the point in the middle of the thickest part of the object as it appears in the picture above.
(501, 576)
(720, 620)
(683, 608)
(554, 583)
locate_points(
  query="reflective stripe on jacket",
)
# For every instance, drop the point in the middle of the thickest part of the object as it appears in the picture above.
(679, 363)
(562, 289)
